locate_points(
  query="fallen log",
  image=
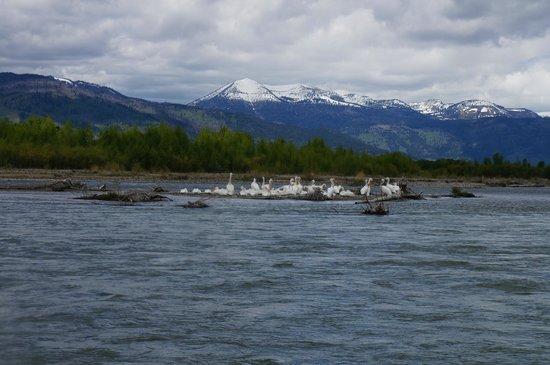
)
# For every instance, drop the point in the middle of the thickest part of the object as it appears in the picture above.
(128, 197)
(383, 198)
(63, 185)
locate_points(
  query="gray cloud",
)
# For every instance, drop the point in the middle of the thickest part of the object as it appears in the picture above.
(179, 50)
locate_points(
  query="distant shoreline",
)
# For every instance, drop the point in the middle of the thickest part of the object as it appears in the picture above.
(197, 177)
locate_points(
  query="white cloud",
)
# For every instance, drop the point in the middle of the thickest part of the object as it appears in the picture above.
(179, 50)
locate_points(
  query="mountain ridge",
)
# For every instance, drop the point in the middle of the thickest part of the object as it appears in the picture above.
(251, 91)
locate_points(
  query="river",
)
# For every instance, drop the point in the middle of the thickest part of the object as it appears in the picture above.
(275, 282)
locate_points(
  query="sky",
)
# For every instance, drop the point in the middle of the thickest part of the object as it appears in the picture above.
(180, 50)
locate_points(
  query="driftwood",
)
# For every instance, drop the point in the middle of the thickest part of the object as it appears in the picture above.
(378, 209)
(414, 197)
(456, 192)
(129, 197)
(159, 189)
(405, 190)
(101, 188)
(63, 185)
(406, 194)
(196, 204)
(199, 203)
(384, 198)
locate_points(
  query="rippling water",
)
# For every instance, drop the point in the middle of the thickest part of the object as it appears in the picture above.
(246, 281)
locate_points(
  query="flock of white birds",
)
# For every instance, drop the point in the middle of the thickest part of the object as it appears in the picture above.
(295, 187)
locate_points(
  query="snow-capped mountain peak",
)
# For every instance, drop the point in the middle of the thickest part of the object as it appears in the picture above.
(244, 89)
(248, 86)
(475, 108)
(469, 109)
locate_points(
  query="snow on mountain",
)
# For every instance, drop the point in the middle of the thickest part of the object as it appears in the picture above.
(82, 85)
(523, 113)
(469, 109)
(245, 89)
(360, 100)
(63, 80)
(252, 92)
(474, 109)
(297, 93)
(434, 107)
(392, 103)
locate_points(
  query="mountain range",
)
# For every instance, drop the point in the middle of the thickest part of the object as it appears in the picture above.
(254, 93)
(430, 129)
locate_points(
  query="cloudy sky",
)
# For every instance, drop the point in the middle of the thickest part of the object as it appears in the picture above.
(180, 50)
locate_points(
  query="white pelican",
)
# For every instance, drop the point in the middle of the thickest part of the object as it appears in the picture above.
(229, 189)
(196, 191)
(254, 185)
(365, 190)
(337, 188)
(311, 187)
(184, 191)
(394, 188)
(346, 193)
(384, 189)
(298, 185)
(266, 188)
(219, 191)
(330, 190)
(287, 189)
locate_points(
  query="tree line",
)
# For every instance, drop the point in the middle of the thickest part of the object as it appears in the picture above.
(40, 143)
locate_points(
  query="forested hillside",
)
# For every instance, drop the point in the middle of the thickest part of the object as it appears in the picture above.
(41, 143)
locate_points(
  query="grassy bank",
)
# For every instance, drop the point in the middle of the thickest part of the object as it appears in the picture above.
(197, 177)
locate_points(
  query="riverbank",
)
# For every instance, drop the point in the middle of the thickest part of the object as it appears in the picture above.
(199, 177)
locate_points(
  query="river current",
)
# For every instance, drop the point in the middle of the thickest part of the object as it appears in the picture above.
(275, 282)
